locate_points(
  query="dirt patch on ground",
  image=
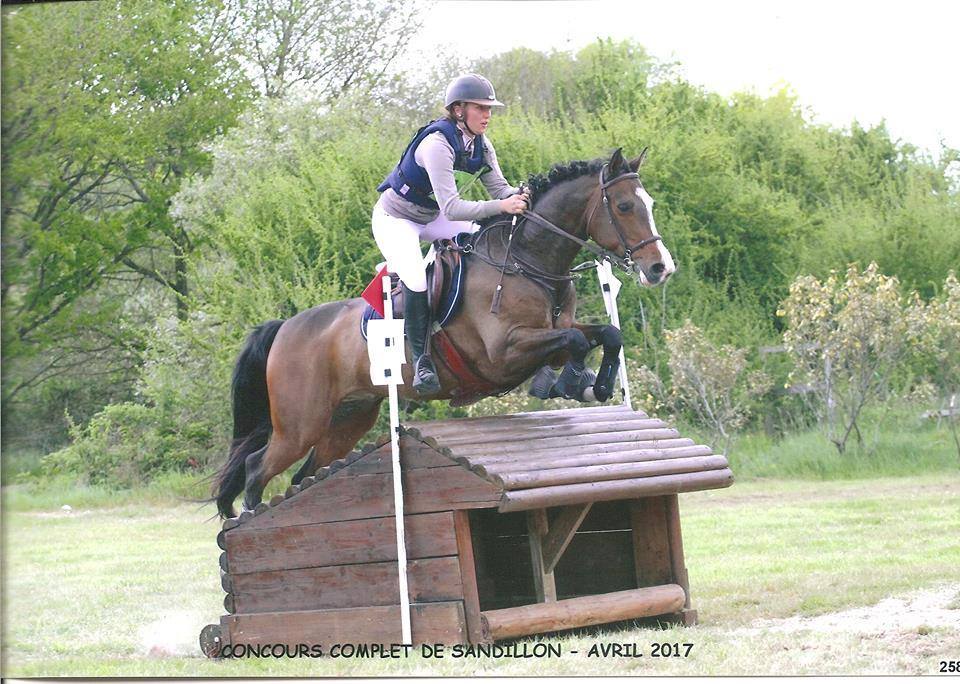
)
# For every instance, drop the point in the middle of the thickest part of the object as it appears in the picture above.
(916, 613)
(174, 634)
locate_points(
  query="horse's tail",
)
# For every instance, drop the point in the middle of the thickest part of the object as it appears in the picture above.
(251, 415)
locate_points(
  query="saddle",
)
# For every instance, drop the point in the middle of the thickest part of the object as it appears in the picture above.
(445, 277)
(444, 280)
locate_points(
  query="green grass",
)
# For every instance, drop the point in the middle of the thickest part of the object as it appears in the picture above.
(896, 442)
(52, 492)
(90, 592)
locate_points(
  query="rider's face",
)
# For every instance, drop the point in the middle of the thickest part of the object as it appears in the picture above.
(476, 116)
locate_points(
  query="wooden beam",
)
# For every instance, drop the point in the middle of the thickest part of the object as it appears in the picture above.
(543, 581)
(651, 544)
(561, 532)
(468, 576)
(536, 477)
(677, 564)
(548, 497)
(508, 623)
(346, 586)
(432, 623)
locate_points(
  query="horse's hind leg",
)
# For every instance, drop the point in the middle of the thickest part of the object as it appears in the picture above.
(308, 467)
(351, 420)
(263, 465)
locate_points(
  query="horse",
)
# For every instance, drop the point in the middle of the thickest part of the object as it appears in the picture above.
(304, 383)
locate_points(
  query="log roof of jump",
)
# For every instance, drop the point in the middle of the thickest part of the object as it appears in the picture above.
(569, 456)
(518, 462)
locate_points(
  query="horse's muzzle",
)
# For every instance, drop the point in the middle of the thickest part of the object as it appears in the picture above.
(655, 275)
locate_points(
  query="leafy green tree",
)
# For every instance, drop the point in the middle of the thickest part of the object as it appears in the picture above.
(106, 110)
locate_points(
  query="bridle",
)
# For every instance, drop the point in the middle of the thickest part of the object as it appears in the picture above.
(552, 281)
(624, 262)
(605, 199)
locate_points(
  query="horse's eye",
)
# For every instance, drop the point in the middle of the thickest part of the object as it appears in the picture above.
(625, 206)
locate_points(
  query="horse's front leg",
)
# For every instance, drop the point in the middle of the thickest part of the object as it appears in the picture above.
(609, 337)
(527, 346)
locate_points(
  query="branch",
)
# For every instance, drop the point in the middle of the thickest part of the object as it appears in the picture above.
(150, 273)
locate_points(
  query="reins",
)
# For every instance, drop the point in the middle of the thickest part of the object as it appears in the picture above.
(551, 281)
(624, 262)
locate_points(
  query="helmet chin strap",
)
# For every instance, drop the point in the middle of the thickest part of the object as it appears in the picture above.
(462, 119)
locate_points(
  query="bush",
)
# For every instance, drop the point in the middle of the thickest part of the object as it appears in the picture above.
(847, 336)
(181, 422)
(123, 445)
(710, 386)
(943, 343)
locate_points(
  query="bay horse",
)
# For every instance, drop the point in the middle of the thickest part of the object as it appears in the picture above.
(305, 382)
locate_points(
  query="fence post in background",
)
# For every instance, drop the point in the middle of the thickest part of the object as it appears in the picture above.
(610, 288)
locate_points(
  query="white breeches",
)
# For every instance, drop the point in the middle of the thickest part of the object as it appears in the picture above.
(399, 241)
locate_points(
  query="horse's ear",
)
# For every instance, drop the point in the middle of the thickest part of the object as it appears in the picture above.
(616, 162)
(635, 164)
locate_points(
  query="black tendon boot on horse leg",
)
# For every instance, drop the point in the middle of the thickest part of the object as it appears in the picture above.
(610, 338)
(578, 382)
(575, 378)
(416, 326)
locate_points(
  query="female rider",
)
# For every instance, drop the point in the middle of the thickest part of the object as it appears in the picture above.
(419, 201)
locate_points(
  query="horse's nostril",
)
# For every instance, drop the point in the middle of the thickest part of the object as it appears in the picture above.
(658, 268)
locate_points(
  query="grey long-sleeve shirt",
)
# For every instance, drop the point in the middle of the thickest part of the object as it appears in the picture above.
(436, 156)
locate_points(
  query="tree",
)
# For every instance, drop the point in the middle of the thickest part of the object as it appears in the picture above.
(107, 109)
(322, 47)
(847, 337)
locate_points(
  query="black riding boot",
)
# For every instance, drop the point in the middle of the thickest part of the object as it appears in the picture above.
(416, 326)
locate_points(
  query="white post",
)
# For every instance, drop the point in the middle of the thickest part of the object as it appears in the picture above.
(610, 288)
(385, 346)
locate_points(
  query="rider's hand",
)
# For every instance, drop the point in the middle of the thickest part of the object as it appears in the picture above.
(515, 204)
(527, 194)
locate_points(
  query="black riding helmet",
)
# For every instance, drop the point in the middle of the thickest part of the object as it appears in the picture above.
(471, 88)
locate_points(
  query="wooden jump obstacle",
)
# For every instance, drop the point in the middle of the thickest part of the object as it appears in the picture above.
(515, 525)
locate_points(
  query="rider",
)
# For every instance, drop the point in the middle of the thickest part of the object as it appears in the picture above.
(419, 201)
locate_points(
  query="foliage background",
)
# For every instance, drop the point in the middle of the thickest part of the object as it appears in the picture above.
(169, 183)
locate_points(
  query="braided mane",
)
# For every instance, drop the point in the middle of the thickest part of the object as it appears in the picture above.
(560, 173)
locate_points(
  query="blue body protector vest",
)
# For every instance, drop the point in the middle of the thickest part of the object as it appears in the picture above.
(410, 180)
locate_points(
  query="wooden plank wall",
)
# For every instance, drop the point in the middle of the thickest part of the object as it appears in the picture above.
(321, 565)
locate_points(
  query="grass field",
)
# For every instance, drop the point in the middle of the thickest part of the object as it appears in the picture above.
(849, 577)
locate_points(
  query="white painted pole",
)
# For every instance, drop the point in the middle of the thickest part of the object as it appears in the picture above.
(610, 289)
(397, 483)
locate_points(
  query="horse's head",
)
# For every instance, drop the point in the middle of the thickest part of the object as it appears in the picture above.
(620, 219)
